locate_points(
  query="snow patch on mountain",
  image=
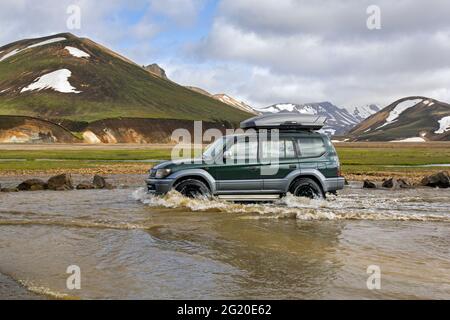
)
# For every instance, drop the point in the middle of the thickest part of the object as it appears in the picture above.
(42, 43)
(77, 52)
(234, 103)
(444, 125)
(10, 54)
(45, 42)
(398, 110)
(56, 80)
(413, 139)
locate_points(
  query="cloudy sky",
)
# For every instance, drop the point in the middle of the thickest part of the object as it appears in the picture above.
(265, 51)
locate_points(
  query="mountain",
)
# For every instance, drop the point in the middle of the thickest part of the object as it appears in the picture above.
(66, 77)
(361, 113)
(157, 70)
(412, 119)
(234, 102)
(199, 90)
(339, 119)
(226, 99)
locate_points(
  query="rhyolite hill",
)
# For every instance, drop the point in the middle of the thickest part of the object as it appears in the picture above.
(410, 119)
(76, 83)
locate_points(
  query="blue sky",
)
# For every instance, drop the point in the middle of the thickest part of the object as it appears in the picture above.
(173, 34)
(265, 51)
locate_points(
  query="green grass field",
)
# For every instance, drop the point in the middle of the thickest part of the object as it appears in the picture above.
(360, 160)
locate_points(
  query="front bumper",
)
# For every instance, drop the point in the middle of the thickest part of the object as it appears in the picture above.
(159, 186)
(333, 184)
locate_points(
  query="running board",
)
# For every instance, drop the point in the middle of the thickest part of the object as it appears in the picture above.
(249, 197)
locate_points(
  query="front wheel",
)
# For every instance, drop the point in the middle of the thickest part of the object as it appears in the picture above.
(193, 188)
(306, 187)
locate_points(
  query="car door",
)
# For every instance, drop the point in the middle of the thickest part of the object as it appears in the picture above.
(282, 160)
(240, 171)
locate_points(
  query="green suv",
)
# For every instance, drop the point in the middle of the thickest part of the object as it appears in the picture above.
(278, 154)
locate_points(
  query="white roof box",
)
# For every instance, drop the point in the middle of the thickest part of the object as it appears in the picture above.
(286, 121)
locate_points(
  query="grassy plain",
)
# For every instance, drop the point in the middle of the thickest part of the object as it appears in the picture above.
(359, 160)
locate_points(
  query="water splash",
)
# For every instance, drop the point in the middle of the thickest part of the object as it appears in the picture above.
(352, 206)
(44, 291)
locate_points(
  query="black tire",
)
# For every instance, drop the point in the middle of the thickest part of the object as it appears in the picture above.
(193, 188)
(306, 187)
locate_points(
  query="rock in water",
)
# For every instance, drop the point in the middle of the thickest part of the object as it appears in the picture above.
(60, 183)
(9, 190)
(109, 186)
(369, 184)
(99, 182)
(440, 180)
(32, 185)
(395, 183)
(85, 185)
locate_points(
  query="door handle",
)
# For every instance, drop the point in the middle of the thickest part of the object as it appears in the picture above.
(292, 166)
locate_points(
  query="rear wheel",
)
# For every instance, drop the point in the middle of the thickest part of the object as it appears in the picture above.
(306, 187)
(193, 188)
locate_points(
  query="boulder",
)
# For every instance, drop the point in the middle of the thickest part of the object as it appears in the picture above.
(9, 190)
(32, 185)
(60, 182)
(109, 186)
(99, 182)
(369, 184)
(85, 185)
(440, 180)
(395, 183)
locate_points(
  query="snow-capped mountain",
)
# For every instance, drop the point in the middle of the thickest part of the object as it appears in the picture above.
(339, 120)
(234, 102)
(222, 97)
(363, 112)
(410, 119)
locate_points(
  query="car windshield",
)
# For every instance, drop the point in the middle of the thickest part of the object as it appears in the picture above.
(214, 149)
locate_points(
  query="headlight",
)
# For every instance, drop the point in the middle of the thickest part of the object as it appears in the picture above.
(162, 173)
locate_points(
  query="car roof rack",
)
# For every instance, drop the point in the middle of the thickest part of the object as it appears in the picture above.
(285, 121)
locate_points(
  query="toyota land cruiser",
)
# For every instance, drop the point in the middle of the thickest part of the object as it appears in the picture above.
(258, 164)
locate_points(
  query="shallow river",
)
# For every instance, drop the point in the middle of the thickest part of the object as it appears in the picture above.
(130, 245)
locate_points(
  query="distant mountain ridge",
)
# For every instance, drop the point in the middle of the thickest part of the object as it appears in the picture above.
(339, 120)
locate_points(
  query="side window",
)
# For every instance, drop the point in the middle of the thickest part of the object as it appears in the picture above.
(284, 149)
(311, 147)
(243, 150)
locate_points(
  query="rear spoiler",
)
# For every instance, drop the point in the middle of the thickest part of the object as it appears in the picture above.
(285, 121)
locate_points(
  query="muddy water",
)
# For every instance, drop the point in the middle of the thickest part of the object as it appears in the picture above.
(130, 245)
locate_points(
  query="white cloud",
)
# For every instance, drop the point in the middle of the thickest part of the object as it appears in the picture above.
(266, 51)
(322, 50)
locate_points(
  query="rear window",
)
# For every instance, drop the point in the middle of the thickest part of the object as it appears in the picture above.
(311, 147)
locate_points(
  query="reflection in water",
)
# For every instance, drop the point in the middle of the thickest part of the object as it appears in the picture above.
(131, 245)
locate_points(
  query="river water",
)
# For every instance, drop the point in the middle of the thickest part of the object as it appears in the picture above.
(130, 245)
